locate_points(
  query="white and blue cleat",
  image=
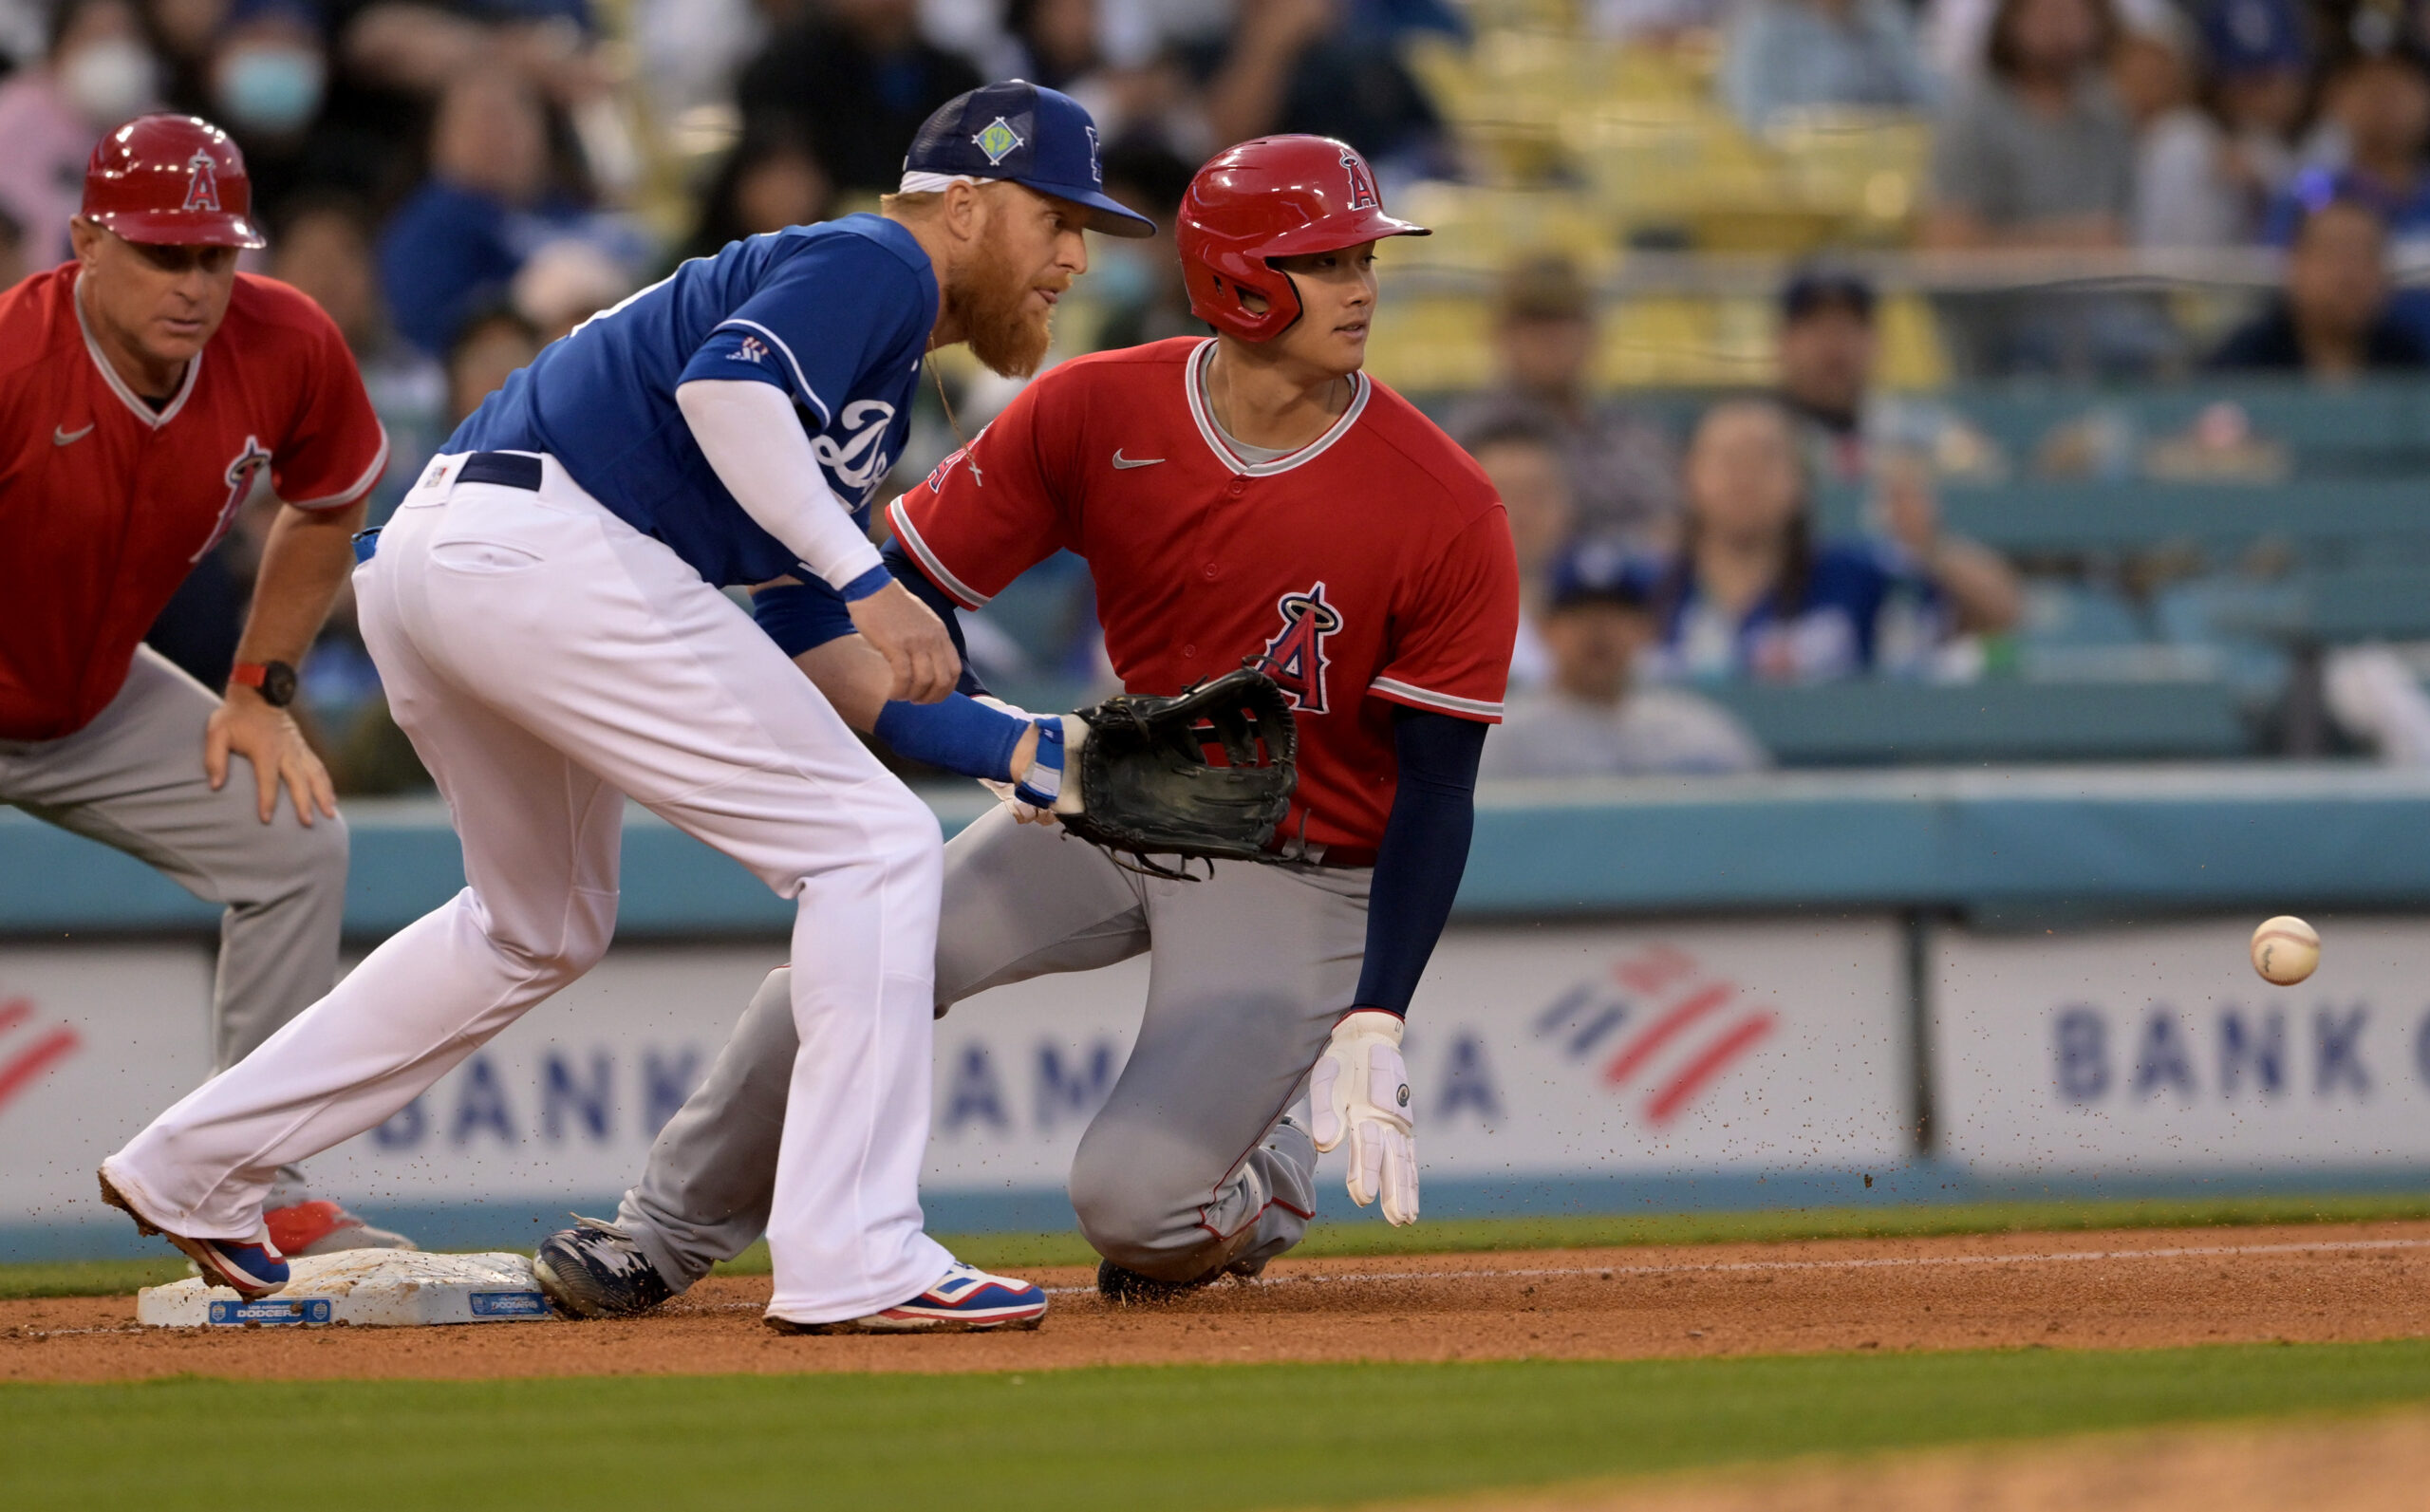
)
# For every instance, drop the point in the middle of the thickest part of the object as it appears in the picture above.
(250, 1270)
(967, 1301)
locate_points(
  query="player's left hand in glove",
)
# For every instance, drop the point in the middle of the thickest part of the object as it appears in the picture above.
(1359, 1091)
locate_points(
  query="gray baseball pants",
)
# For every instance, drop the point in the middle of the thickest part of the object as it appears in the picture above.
(132, 780)
(1188, 1169)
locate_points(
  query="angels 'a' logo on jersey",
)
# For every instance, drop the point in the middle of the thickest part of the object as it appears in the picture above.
(1296, 656)
(241, 470)
(1362, 183)
(202, 183)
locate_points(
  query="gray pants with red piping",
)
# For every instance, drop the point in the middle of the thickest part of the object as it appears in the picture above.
(1188, 1167)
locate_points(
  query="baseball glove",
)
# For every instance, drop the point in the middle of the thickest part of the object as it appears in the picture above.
(1149, 788)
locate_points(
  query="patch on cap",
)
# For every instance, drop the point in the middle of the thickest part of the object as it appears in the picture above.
(999, 141)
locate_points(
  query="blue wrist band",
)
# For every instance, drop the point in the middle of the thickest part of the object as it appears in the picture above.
(866, 584)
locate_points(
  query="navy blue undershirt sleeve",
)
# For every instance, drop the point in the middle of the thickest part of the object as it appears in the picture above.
(1425, 851)
(906, 572)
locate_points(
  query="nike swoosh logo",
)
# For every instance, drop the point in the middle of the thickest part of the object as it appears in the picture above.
(61, 436)
(1120, 461)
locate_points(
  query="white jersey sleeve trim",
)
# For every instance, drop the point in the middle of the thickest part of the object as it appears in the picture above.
(747, 431)
(1400, 692)
(964, 594)
(354, 490)
(809, 395)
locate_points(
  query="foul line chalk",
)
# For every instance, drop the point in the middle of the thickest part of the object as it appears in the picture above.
(1853, 1264)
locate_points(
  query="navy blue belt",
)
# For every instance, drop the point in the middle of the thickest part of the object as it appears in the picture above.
(507, 469)
(512, 469)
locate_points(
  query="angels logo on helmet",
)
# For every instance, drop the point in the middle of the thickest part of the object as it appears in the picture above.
(1362, 183)
(202, 188)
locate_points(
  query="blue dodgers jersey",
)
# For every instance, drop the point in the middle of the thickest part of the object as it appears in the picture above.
(1865, 608)
(837, 316)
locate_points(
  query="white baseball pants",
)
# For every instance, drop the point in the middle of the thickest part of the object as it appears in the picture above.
(548, 659)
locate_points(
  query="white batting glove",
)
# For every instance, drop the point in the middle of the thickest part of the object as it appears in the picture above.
(1359, 1091)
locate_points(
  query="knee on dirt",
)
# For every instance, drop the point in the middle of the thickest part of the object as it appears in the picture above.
(1132, 1221)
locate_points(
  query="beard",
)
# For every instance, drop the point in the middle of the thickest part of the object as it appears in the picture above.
(992, 297)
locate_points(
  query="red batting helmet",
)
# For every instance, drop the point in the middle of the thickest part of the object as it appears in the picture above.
(176, 180)
(1276, 196)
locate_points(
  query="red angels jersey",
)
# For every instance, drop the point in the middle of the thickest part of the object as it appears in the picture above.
(1371, 567)
(105, 505)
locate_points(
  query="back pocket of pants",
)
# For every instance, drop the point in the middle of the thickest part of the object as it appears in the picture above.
(482, 556)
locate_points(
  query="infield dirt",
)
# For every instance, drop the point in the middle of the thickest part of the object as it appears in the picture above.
(2099, 1290)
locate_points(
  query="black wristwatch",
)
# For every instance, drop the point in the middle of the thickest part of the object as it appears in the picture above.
(274, 681)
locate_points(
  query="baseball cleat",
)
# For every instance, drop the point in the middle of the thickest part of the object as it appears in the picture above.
(595, 1270)
(250, 1270)
(325, 1228)
(969, 1300)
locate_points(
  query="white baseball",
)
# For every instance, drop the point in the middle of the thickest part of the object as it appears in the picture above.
(2285, 950)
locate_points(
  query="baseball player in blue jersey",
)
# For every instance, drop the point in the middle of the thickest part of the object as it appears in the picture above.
(546, 613)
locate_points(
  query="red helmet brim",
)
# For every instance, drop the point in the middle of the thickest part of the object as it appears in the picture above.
(177, 227)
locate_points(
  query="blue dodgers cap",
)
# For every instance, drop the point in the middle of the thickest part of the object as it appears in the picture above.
(1594, 571)
(1027, 133)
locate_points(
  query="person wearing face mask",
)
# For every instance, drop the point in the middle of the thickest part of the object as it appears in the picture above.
(266, 75)
(99, 70)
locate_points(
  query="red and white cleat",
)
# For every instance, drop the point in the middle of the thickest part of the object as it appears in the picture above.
(325, 1228)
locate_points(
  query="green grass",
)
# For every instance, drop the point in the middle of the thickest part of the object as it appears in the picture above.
(1013, 1251)
(1177, 1438)
(106, 1278)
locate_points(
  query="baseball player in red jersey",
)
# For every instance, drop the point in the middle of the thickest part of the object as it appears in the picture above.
(1253, 497)
(144, 388)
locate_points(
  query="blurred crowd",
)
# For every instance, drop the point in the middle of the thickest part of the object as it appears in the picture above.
(459, 181)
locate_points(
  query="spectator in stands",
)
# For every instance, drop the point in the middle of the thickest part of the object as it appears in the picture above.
(323, 246)
(1826, 351)
(769, 181)
(1826, 355)
(2038, 153)
(265, 77)
(2376, 128)
(1054, 43)
(1140, 282)
(1523, 461)
(2333, 320)
(1624, 472)
(853, 79)
(1783, 55)
(1595, 719)
(2377, 118)
(485, 353)
(1750, 595)
(1331, 68)
(488, 205)
(2209, 162)
(99, 71)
